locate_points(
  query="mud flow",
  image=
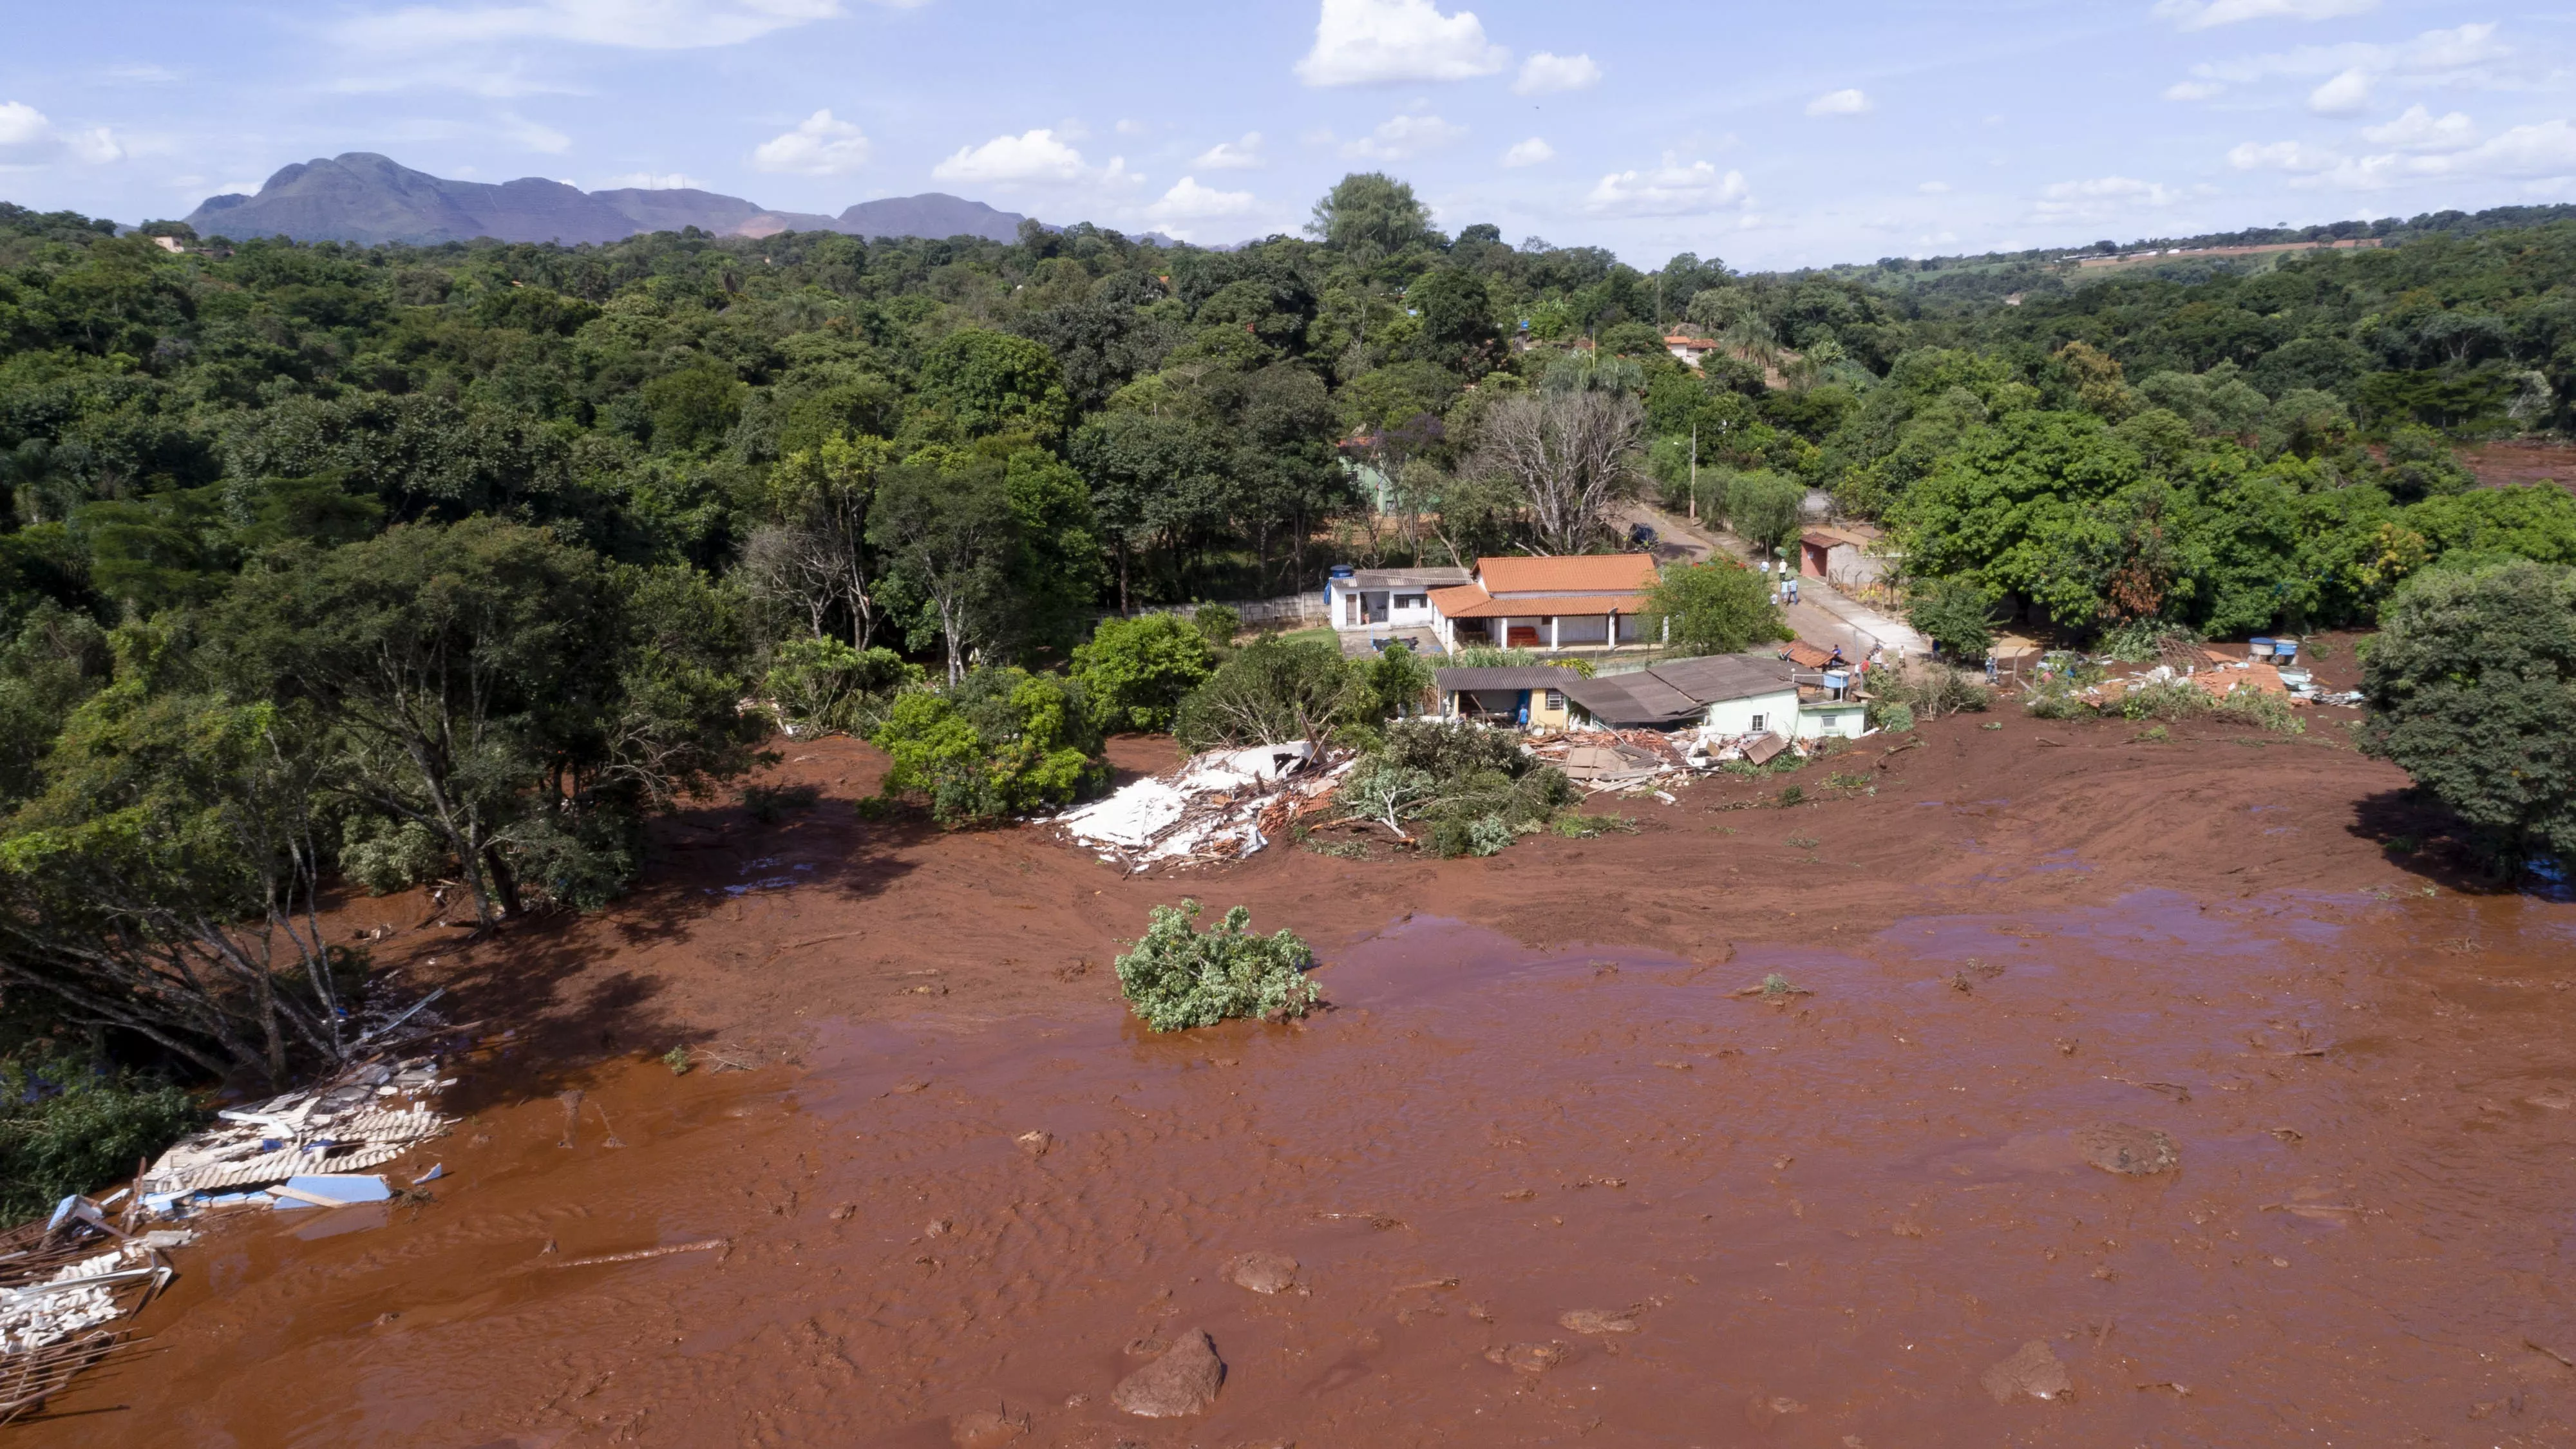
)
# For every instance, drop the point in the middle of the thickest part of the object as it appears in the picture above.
(2287, 1169)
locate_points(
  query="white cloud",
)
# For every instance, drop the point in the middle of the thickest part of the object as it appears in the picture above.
(2347, 94)
(653, 181)
(1543, 73)
(1032, 158)
(29, 138)
(1671, 189)
(2202, 14)
(1370, 42)
(534, 136)
(2543, 154)
(1531, 152)
(1934, 188)
(1243, 155)
(1403, 138)
(1132, 128)
(819, 146)
(1188, 201)
(2455, 54)
(1838, 103)
(2420, 130)
(2192, 90)
(2281, 156)
(633, 24)
(2102, 196)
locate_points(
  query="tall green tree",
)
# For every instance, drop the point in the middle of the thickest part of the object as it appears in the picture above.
(2471, 683)
(944, 524)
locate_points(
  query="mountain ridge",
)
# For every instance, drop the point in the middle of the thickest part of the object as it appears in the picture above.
(363, 197)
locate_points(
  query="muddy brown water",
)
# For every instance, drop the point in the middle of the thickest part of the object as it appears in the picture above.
(1825, 1221)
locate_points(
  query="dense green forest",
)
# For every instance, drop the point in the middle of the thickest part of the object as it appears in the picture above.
(389, 565)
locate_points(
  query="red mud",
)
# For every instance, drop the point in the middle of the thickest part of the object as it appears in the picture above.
(2522, 461)
(1824, 1222)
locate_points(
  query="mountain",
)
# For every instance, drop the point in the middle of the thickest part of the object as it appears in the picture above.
(933, 214)
(365, 198)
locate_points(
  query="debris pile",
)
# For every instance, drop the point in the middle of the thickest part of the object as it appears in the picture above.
(1222, 805)
(63, 1285)
(1603, 761)
(365, 1116)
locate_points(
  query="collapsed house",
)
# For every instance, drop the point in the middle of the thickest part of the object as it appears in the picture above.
(1222, 805)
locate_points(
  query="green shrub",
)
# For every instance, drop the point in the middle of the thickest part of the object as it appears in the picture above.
(2166, 699)
(1178, 977)
(1954, 614)
(1713, 608)
(1136, 672)
(1398, 683)
(1218, 624)
(1486, 656)
(1274, 692)
(69, 1127)
(389, 855)
(823, 686)
(1930, 689)
(1000, 743)
(1892, 715)
(2271, 711)
(2053, 698)
(2144, 641)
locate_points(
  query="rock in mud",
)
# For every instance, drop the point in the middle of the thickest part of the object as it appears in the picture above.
(2033, 1372)
(1183, 1381)
(1527, 1358)
(1598, 1320)
(2128, 1151)
(1035, 1144)
(986, 1429)
(1263, 1272)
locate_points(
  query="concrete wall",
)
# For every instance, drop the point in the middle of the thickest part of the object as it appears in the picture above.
(1776, 712)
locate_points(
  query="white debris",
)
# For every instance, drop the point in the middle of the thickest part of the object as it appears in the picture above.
(338, 1128)
(1222, 805)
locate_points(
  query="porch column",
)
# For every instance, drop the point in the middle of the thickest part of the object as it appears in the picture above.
(1552, 633)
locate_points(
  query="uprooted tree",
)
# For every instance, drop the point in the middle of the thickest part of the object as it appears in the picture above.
(1179, 977)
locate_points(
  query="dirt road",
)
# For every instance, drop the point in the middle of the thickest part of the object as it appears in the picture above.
(1544, 1173)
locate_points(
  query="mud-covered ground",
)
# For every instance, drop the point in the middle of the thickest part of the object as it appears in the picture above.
(1547, 1177)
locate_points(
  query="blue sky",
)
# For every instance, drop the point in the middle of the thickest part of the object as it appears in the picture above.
(1768, 135)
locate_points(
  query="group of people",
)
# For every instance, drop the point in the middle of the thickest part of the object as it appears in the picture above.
(1785, 591)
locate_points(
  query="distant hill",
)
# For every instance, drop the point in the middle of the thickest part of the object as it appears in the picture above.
(366, 198)
(932, 214)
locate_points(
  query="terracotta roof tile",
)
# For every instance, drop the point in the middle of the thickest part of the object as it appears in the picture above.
(1599, 573)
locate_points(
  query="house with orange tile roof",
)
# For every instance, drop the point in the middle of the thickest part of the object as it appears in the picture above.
(1583, 601)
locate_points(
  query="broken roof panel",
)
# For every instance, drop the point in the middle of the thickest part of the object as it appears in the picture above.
(1717, 677)
(1541, 676)
(1632, 699)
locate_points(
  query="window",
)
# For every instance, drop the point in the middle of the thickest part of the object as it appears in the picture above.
(1556, 700)
(1759, 721)
(1413, 601)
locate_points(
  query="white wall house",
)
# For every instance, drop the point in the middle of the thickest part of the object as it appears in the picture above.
(1362, 600)
(1584, 601)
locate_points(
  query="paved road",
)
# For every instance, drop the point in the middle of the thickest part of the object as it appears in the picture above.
(1822, 615)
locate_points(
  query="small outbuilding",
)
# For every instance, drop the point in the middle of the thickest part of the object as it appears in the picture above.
(1530, 697)
(1364, 599)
